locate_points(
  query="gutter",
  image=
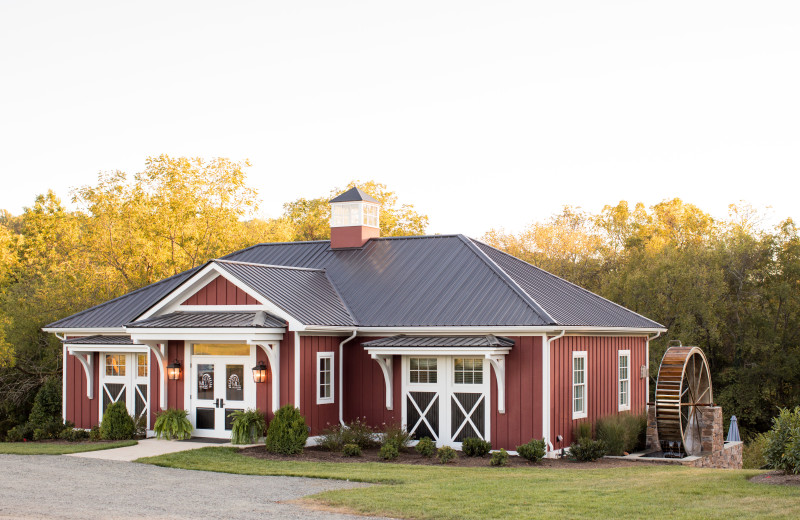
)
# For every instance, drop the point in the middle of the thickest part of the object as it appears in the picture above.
(341, 376)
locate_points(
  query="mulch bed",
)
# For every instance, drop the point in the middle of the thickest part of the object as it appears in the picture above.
(778, 478)
(317, 454)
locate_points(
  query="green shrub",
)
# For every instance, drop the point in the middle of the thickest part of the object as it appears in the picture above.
(173, 424)
(95, 434)
(388, 451)
(499, 458)
(117, 424)
(587, 450)
(248, 426)
(287, 432)
(611, 430)
(73, 435)
(445, 454)
(782, 449)
(356, 432)
(426, 447)
(396, 435)
(475, 447)
(46, 412)
(753, 454)
(19, 433)
(534, 451)
(583, 431)
(351, 450)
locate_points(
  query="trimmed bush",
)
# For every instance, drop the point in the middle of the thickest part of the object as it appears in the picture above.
(397, 435)
(426, 447)
(587, 450)
(445, 454)
(499, 458)
(94, 433)
(73, 435)
(356, 432)
(583, 431)
(351, 450)
(117, 424)
(388, 451)
(475, 447)
(782, 449)
(19, 433)
(287, 432)
(248, 426)
(534, 451)
(173, 424)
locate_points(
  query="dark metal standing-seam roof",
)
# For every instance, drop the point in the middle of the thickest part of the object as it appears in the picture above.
(121, 310)
(305, 294)
(192, 319)
(100, 340)
(566, 302)
(354, 195)
(440, 341)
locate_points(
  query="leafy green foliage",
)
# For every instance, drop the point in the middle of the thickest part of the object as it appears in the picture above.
(351, 450)
(622, 433)
(533, 451)
(587, 450)
(426, 447)
(73, 435)
(287, 432)
(782, 450)
(95, 434)
(248, 426)
(753, 454)
(356, 432)
(396, 435)
(499, 458)
(445, 454)
(475, 447)
(117, 424)
(388, 451)
(173, 424)
(583, 431)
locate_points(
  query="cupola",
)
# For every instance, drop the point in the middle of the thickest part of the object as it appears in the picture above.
(354, 219)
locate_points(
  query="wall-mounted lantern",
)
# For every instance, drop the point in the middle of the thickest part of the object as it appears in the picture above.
(174, 370)
(260, 373)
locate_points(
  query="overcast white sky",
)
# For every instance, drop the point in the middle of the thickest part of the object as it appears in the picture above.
(481, 114)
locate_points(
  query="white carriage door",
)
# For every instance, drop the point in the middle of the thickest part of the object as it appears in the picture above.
(468, 398)
(221, 386)
(425, 383)
(125, 377)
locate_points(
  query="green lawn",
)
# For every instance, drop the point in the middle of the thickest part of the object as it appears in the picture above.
(55, 448)
(448, 492)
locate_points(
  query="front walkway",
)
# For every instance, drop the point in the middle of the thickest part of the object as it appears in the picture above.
(146, 448)
(63, 487)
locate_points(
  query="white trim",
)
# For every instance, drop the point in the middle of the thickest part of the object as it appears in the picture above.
(439, 351)
(332, 369)
(296, 355)
(385, 362)
(130, 381)
(623, 407)
(63, 382)
(144, 336)
(482, 330)
(585, 413)
(273, 352)
(87, 362)
(120, 349)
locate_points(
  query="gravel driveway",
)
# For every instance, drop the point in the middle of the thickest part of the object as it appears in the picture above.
(69, 487)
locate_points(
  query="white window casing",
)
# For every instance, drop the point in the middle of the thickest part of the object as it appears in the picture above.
(325, 378)
(345, 214)
(580, 384)
(624, 380)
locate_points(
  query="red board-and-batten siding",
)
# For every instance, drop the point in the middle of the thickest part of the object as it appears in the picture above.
(220, 291)
(603, 380)
(81, 410)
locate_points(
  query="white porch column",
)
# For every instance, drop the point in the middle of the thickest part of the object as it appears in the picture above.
(273, 352)
(385, 362)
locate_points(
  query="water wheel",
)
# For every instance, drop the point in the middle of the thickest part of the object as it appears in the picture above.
(684, 382)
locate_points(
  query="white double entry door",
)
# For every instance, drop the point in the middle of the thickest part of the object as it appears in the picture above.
(446, 398)
(221, 385)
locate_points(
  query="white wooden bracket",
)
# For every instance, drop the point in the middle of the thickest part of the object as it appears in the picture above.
(385, 362)
(273, 353)
(160, 351)
(499, 366)
(87, 362)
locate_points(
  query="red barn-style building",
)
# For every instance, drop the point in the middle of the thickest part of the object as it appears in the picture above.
(443, 334)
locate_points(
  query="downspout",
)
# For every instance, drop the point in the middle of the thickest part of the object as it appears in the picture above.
(546, 387)
(647, 353)
(341, 377)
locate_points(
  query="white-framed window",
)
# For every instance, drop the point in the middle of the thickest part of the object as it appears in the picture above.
(624, 375)
(354, 214)
(141, 365)
(468, 371)
(324, 377)
(115, 364)
(422, 370)
(579, 384)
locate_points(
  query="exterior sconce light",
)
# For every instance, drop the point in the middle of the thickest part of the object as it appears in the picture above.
(260, 373)
(174, 370)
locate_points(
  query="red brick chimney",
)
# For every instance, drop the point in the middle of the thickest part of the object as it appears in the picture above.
(354, 219)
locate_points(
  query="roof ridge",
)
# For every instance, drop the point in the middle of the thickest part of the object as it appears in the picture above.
(256, 264)
(149, 286)
(567, 281)
(527, 298)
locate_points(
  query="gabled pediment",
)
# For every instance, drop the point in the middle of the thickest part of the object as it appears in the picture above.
(220, 291)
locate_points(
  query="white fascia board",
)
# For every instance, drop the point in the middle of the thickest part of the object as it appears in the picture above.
(79, 349)
(106, 331)
(450, 351)
(507, 330)
(172, 301)
(215, 334)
